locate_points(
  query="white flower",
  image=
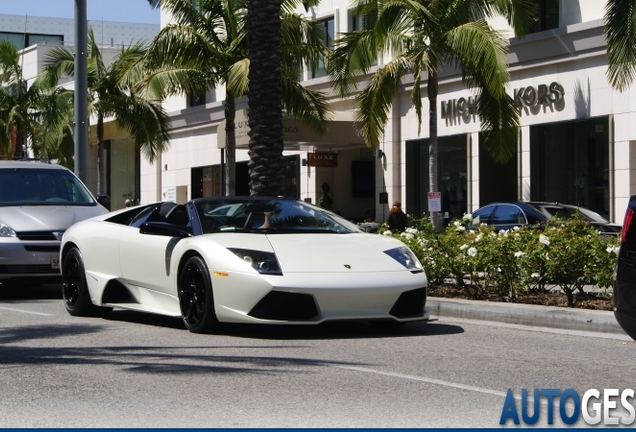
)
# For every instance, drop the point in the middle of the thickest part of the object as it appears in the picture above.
(499, 269)
(479, 237)
(456, 223)
(519, 254)
(613, 249)
(463, 247)
(412, 230)
(481, 275)
(472, 252)
(543, 239)
(535, 275)
(460, 228)
(407, 235)
(516, 228)
(503, 233)
(468, 217)
(387, 233)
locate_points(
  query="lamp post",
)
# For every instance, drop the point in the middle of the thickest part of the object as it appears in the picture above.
(81, 90)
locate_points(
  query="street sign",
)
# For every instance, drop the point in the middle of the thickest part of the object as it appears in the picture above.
(434, 201)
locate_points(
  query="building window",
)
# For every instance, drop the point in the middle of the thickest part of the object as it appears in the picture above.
(547, 15)
(452, 165)
(22, 40)
(196, 99)
(329, 34)
(358, 22)
(569, 163)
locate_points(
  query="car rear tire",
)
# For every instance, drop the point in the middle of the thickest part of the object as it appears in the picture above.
(195, 296)
(77, 299)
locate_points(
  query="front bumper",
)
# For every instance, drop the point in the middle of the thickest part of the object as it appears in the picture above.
(29, 261)
(317, 297)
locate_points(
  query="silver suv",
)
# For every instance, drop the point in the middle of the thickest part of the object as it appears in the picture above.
(38, 202)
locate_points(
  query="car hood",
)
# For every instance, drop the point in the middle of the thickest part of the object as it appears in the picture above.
(47, 218)
(309, 253)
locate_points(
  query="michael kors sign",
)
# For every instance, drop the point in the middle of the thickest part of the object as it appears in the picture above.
(524, 97)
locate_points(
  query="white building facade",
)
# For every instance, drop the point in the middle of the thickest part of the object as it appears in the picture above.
(577, 142)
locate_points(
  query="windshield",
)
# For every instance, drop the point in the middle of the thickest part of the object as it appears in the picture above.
(42, 186)
(268, 215)
(568, 212)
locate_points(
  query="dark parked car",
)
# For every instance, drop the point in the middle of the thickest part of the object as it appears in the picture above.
(506, 215)
(625, 274)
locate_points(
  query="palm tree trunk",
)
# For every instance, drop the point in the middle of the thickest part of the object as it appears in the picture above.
(266, 164)
(433, 91)
(101, 157)
(230, 144)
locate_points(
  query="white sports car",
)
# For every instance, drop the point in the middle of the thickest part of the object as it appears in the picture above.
(269, 260)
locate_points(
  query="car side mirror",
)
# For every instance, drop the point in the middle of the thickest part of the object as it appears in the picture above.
(104, 200)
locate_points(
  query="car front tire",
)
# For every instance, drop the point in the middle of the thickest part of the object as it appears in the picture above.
(195, 296)
(77, 299)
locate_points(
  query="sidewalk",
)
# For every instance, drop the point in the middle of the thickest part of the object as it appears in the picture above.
(531, 315)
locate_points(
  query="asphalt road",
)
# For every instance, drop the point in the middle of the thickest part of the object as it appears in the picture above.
(136, 370)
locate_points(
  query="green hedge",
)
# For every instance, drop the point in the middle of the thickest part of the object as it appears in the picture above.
(567, 253)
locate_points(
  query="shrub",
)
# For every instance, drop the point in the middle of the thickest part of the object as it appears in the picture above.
(568, 253)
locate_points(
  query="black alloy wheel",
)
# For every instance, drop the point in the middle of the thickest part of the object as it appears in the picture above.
(195, 296)
(75, 293)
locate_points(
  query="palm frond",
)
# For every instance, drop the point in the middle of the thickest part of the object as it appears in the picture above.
(309, 106)
(620, 37)
(480, 51)
(500, 124)
(374, 102)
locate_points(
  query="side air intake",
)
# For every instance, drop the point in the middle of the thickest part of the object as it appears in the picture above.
(411, 303)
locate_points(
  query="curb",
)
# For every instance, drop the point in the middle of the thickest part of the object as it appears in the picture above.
(531, 315)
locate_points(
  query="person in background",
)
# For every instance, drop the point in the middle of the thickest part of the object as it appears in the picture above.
(127, 203)
(397, 218)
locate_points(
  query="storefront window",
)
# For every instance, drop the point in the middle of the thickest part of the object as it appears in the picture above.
(569, 163)
(206, 181)
(452, 178)
(123, 162)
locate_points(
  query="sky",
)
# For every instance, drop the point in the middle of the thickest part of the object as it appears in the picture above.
(138, 11)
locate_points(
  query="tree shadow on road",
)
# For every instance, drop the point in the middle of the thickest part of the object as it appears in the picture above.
(31, 292)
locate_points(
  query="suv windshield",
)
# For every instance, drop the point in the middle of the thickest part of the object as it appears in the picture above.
(42, 186)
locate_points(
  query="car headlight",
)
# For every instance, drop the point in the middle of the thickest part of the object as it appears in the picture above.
(406, 257)
(6, 231)
(262, 262)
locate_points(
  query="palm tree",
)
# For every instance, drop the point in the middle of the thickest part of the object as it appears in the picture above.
(114, 91)
(620, 37)
(31, 114)
(207, 46)
(53, 135)
(421, 37)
